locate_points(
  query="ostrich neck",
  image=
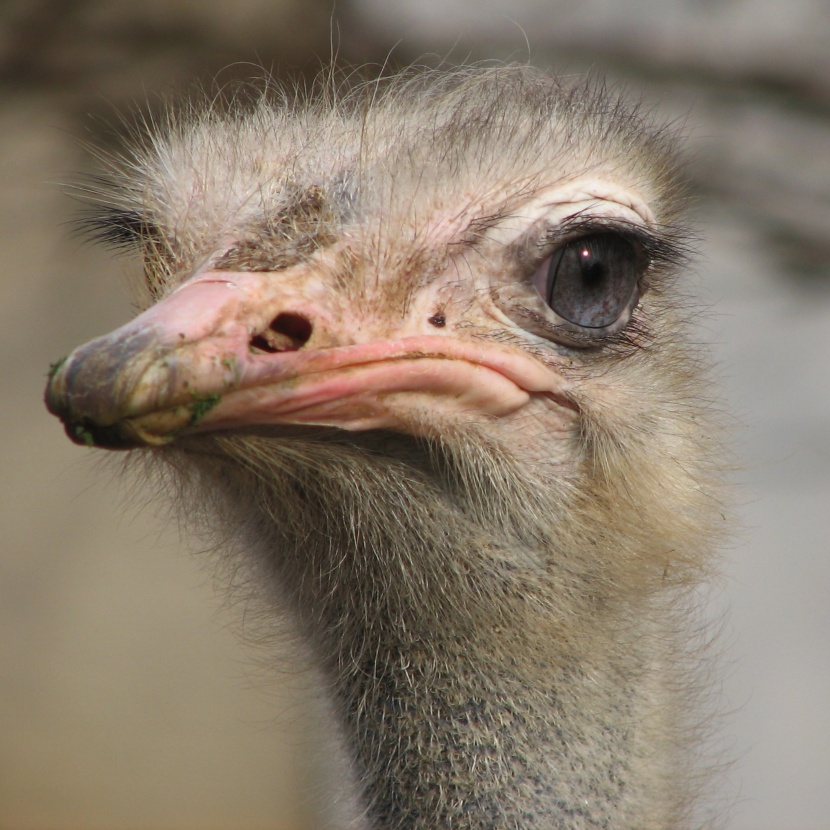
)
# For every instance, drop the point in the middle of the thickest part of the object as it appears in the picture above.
(479, 685)
(452, 731)
(457, 721)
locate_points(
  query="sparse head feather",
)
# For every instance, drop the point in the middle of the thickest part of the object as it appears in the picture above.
(391, 154)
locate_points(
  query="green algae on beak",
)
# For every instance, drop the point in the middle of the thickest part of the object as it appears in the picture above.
(201, 405)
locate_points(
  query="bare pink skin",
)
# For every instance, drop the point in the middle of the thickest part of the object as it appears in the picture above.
(187, 364)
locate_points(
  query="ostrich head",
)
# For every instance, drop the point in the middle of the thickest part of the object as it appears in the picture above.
(422, 345)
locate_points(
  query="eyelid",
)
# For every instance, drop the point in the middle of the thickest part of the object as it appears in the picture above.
(574, 228)
(662, 245)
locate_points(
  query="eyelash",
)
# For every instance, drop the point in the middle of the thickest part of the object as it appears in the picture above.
(580, 226)
(120, 228)
(662, 246)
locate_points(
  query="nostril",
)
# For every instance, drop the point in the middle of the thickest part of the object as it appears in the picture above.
(294, 326)
(287, 333)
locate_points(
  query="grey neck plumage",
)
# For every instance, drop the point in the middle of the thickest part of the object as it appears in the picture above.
(482, 680)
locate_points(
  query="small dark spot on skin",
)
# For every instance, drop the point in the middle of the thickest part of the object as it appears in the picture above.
(438, 320)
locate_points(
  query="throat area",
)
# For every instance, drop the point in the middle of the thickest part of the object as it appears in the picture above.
(477, 685)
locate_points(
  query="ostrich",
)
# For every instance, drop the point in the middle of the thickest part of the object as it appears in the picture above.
(419, 348)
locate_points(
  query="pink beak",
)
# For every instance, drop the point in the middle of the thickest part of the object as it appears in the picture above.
(228, 349)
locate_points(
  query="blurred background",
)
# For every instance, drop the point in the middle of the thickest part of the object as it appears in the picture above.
(127, 701)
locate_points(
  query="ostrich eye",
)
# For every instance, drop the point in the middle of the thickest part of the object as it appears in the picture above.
(591, 282)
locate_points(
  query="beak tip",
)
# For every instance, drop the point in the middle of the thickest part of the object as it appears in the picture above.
(80, 428)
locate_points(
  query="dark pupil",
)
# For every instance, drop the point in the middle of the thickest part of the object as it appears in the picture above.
(593, 272)
(592, 281)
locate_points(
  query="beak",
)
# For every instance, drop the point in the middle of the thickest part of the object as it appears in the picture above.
(228, 349)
